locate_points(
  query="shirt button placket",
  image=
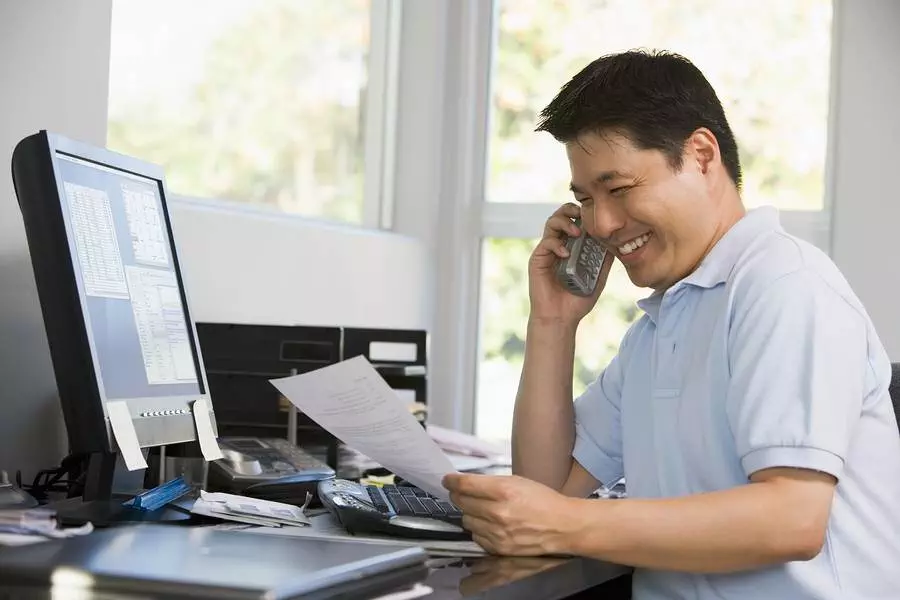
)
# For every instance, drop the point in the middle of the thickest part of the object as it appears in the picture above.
(666, 345)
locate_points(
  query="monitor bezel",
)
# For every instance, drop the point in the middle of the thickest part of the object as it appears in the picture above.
(158, 420)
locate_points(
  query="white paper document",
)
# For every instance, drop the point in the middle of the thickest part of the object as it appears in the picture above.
(352, 402)
(252, 511)
(126, 436)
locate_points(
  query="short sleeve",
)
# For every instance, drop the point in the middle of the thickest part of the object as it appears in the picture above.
(798, 360)
(598, 432)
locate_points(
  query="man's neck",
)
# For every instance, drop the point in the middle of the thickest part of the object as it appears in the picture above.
(731, 211)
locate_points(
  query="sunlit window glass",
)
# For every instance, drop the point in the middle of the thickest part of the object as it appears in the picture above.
(255, 101)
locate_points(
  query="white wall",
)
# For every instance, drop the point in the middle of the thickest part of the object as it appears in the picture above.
(866, 149)
(53, 75)
(246, 266)
(241, 265)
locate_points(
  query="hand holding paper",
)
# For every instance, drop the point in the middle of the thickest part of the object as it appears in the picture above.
(352, 401)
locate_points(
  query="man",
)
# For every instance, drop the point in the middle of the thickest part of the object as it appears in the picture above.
(748, 408)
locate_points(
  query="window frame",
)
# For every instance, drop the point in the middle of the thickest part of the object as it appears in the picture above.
(381, 114)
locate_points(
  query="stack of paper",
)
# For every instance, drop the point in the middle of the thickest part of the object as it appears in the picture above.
(457, 442)
(250, 510)
(25, 526)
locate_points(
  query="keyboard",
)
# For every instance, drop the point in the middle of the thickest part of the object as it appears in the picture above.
(399, 510)
(409, 500)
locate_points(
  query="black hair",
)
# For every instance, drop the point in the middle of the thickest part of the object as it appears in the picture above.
(656, 99)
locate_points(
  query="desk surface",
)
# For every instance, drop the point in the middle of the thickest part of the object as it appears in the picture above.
(491, 577)
(487, 577)
(502, 578)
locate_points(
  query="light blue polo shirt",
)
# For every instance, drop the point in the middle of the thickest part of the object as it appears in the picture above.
(762, 357)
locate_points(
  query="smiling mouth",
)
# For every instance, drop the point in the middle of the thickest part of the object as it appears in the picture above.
(632, 245)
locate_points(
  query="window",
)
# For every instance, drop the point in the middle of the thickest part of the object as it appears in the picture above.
(769, 65)
(503, 314)
(253, 101)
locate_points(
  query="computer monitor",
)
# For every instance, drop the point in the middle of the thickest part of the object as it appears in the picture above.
(111, 290)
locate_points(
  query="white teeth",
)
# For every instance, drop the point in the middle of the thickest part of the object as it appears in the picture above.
(634, 244)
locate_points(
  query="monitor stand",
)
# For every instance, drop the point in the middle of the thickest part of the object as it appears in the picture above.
(102, 506)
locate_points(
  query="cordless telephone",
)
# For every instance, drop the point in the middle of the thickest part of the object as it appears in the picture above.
(578, 272)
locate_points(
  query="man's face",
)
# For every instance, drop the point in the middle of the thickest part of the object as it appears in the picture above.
(658, 222)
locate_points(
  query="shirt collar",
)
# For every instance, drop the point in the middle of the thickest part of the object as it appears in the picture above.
(718, 264)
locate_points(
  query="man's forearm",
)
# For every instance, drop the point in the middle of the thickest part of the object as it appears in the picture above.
(543, 419)
(747, 527)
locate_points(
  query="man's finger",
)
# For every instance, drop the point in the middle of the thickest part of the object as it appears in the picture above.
(485, 543)
(552, 246)
(450, 480)
(569, 209)
(560, 224)
(477, 486)
(477, 507)
(476, 524)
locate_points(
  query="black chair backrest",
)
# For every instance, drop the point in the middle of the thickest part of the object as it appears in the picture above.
(894, 389)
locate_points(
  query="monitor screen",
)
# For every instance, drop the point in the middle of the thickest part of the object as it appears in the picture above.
(124, 266)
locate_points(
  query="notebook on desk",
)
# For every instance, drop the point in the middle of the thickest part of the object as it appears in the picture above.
(166, 560)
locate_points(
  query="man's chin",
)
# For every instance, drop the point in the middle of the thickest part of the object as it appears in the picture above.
(640, 277)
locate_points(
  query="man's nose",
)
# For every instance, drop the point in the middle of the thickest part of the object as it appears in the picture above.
(606, 220)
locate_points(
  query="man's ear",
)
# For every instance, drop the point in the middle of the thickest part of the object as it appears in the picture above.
(703, 147)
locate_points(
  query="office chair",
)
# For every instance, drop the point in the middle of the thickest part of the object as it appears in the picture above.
(894, 389)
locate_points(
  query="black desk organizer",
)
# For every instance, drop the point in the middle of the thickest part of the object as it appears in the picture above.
(240, 359)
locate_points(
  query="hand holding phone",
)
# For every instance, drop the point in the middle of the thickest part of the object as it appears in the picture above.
(579, 272)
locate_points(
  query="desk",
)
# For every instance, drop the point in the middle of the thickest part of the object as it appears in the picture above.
(185, 560)
(490, 577)
(508, 578)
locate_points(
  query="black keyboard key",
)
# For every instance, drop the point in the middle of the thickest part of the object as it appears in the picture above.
(432, 506)
(376, 498)
(417, 506)
(422, 493)
(407, 491)
(450, 508)
(400, 505)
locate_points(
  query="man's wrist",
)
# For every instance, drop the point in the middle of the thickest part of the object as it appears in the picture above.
(557, 325)
(585, 527)
(575, 526)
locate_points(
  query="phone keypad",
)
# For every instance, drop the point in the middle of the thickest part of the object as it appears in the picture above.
(591, 260)
(580, 271)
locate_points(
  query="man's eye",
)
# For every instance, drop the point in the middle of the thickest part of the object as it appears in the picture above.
(619, 190)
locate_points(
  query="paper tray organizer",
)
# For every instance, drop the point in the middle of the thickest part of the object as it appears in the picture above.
(240, 359)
